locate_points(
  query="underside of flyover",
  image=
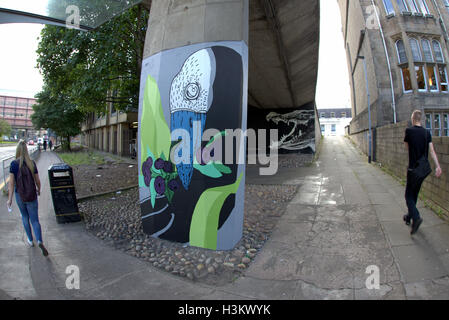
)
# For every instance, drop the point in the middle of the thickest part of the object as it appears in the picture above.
(283, 68)
(283, 63)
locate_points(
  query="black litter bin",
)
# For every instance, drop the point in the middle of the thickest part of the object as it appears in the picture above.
(62, 187)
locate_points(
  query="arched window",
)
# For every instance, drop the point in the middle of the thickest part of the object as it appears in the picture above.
(416, 51)
(437, 51)
(427, 50)
(402, 56)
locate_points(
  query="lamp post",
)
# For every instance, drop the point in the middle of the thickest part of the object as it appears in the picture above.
(369, 109)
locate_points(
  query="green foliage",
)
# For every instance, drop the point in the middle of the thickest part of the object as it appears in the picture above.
(98, 67)
(5, 128)
(56, 112)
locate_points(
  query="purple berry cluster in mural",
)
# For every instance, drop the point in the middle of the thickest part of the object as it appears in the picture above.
(160, 177)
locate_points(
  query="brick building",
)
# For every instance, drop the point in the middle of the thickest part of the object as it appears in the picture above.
(17, 111)
(406, 59)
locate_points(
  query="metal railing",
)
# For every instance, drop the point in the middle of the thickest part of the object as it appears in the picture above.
(6, 164)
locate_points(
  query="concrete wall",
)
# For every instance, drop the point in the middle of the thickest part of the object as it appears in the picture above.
(177, 23)
(392, 154)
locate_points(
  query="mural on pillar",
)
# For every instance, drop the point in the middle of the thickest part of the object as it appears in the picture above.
(187, 193)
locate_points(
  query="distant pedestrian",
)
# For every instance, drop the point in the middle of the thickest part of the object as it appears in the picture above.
(45, 145)
(50, 144)
(24, 180)
(418, 142)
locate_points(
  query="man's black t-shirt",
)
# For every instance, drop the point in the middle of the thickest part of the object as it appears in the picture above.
(417, 146)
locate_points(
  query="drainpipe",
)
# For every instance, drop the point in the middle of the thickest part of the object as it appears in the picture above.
(393, 100)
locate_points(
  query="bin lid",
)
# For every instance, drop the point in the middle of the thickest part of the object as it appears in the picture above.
(59, 167)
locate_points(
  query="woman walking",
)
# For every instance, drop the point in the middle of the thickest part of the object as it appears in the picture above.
(24, 180)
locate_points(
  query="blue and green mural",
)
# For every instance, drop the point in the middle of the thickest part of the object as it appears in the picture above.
(186, 194)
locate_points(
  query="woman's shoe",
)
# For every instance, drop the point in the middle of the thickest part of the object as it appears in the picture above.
(44, 251)
(30, 243)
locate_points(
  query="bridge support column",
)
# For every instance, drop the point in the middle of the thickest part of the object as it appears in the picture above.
(194, 87)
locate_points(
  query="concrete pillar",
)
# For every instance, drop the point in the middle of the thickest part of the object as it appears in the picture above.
(194, 78)
(120, 139)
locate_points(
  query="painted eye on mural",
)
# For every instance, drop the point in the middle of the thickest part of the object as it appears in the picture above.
(192, 91)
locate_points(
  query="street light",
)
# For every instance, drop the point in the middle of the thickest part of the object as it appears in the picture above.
(369, 109)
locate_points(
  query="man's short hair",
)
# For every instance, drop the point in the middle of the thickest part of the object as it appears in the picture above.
(417, 116)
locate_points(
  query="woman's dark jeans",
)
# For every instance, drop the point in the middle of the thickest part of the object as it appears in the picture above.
(30, 216)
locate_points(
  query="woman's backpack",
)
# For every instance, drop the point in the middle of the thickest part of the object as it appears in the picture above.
(26, 188)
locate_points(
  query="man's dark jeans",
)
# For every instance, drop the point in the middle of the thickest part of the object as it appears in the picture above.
(411, 195)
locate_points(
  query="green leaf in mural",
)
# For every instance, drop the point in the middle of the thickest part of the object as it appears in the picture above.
(154, 130)
(153, 192)
(204, 225)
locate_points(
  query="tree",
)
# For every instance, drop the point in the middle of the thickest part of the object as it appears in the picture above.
(5, 129)
(56, 112)
(98, 67)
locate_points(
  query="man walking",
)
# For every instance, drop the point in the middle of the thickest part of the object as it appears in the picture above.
(418, 142)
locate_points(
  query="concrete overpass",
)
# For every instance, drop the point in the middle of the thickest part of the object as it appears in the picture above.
(283, 43)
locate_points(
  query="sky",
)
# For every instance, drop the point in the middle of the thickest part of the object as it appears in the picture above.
(19, 77)
(333, 89)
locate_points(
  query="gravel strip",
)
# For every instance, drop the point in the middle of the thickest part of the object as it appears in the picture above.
(116, 219)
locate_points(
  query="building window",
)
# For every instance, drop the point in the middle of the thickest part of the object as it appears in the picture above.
(389, 9)
(414, 45)
(437, 123)
(446, 125)
(437, 51)
(334, 128)
(422, 5)
(428, 121)
(343, 114)
(332, 114)
(428, 57)
(402, 5)
(323, 115)
(443, 78)
(406, 80)
(432, 78)
(420, 78)
(323, 128)
(402, 56)
(411, 5)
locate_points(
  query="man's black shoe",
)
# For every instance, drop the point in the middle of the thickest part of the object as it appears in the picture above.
(415, 225)
(407, 219)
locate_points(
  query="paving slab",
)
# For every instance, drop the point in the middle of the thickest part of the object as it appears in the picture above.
(389, 212)
(418, 263)
(437, 289)
(398, 233)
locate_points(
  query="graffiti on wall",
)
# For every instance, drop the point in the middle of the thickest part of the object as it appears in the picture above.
(300, 134)
(186, 194)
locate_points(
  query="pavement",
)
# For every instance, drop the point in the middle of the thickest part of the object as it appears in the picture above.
(345, 219)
